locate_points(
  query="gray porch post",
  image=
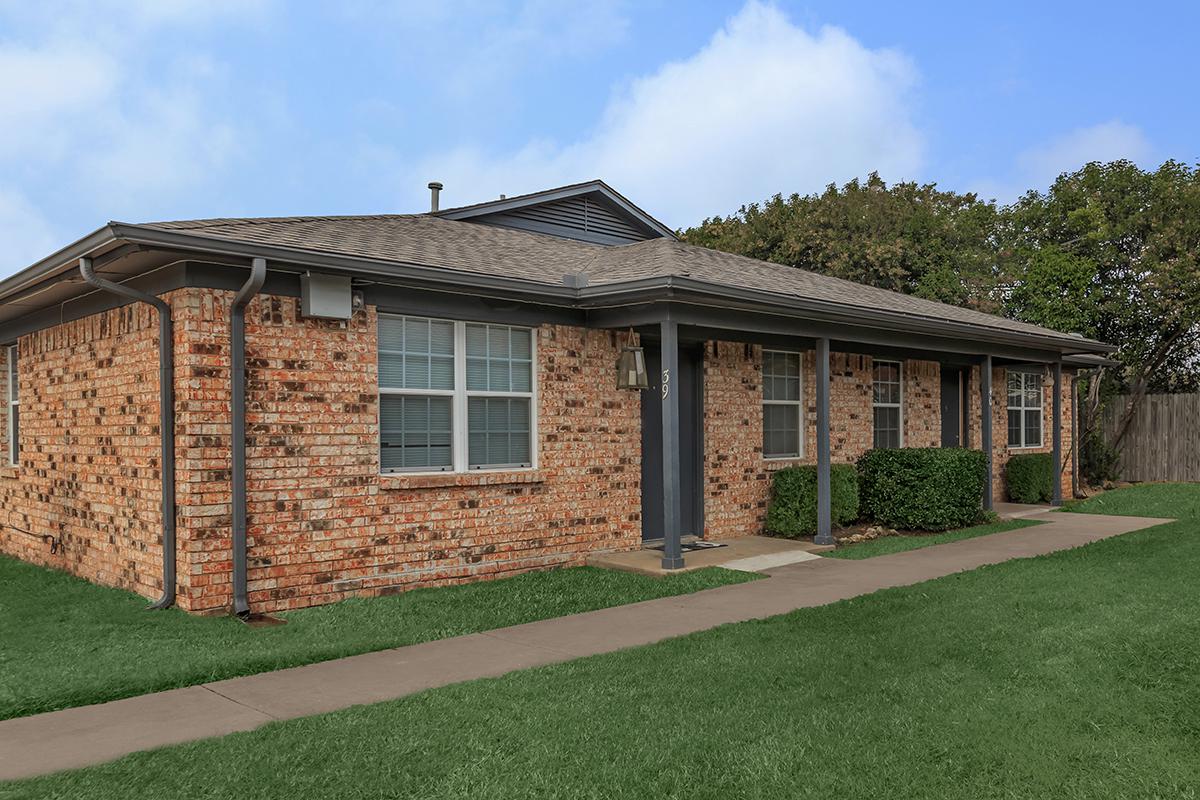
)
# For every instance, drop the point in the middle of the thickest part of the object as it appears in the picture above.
(1075, 434)
(672, 502)
(985, 425)
(1056, 498)
(824, 517)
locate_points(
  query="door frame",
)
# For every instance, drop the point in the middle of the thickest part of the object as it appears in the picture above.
(696, 353)
(962, 400)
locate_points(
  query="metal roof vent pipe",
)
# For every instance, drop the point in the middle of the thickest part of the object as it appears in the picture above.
(435, 188)
(166, 418)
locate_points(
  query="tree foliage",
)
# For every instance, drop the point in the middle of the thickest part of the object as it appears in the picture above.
(1109, 251)
(1113, 252)
(906, 237)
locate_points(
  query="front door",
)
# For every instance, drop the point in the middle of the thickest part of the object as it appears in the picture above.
(690, 385)
(954, 406)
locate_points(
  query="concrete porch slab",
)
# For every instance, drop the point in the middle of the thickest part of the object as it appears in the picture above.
(1019, 510)
(749, 554)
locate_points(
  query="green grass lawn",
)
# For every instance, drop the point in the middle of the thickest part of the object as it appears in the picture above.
(1177, 500)
(904, 541)
(66, 642)
(1074, 675)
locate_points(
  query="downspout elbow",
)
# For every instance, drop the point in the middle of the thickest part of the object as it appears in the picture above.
(237, 367)
(166, 417)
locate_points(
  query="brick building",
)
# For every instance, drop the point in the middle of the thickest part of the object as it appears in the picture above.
(365, 404)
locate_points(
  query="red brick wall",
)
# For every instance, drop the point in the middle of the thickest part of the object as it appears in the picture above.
(737, 477)
(922, 403)
(324, 524)
(89, 472)
(1000, 426)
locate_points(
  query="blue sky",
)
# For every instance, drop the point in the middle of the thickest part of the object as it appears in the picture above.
(163, 109)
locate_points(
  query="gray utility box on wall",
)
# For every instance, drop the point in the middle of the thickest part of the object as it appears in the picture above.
(325, 296)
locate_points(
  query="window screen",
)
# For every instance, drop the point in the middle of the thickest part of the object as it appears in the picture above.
(782, 436)
(14, 408)
(499, 395)
(886, 400)
(454, 395)
(1024, 409)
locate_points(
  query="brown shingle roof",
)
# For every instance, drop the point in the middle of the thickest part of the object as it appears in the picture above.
(470, 247)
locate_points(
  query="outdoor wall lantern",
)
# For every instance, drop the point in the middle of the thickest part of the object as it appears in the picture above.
(631, 366)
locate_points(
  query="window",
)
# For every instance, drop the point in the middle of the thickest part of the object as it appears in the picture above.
(454, 395)
(887, 403)
(14, 402)
(1024, 409)
(499, 395)
(782, 436)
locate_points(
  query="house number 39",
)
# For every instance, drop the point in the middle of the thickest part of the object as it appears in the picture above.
(666, 383)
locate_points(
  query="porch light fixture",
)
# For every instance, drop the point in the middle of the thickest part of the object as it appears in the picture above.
(631, 367)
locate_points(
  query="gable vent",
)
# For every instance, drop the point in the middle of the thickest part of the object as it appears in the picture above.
(580, 218)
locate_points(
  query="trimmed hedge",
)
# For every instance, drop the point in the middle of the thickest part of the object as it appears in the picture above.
(1030, 478)
(922, 488)
(792, 511)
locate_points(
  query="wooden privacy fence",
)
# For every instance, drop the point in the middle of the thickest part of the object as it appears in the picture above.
(1163, 443)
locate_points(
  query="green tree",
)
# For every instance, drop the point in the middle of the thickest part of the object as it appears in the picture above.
(908, 237)
(1109, 251)
(1113, 252)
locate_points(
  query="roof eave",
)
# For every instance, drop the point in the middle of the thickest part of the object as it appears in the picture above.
(57, 262)
(418, 274)
(683, 288)
(659, 288)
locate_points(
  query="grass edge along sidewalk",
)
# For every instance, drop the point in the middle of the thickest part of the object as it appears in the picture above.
(68, 642)
(1072, 674)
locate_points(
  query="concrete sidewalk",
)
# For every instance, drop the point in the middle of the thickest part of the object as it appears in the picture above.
(78, 737)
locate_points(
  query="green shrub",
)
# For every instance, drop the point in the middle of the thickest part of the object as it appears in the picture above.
(922, 488)
(792, 511)
(1030, 478)
(1098, 460)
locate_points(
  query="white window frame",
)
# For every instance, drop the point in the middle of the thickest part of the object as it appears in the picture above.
(458, 405)
(1041, 408)
(900, 405)
(14, 447)
(799, 403)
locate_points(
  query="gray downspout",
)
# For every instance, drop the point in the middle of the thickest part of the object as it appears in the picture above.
(237, 371)
(166, 419)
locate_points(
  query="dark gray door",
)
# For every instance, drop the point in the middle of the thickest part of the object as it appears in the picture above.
(690, 385)
(954, 420)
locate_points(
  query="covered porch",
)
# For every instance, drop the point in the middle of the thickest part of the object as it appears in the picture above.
(675, 482)
(749, 554)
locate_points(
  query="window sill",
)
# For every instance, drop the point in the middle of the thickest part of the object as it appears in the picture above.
(437, 480)
(771, 464)
(9, 471)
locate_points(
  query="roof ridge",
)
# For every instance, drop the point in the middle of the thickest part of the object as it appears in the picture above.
(215, 222)
(522, 196)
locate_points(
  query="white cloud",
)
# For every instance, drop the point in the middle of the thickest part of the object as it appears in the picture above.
(166, 146)
(106, 112)
(1037, 167)
(26, 234)
(764, 107)
(41, 86)
(473, 48)
(1108, 141)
